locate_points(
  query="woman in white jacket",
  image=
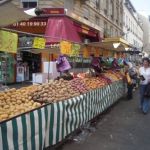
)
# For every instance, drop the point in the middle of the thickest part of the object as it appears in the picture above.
(144, 73)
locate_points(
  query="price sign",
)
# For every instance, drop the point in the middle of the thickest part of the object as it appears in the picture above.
(75, 50)
(97, 52)
(86, 53)
(39, 43)
(105, 53)
(110, 53)
(8, 41)
(65, 47)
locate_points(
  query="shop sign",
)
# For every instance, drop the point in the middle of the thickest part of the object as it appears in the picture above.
(53, 11)
(39, 43)
(110, 53)
(8, 41)
(97, 52)
(86, 52)
(65, 47)
(75, 50)
(84, 27)
(85, 31)
(105, 53)
(30, 23)
(34, 25)
(26, 41)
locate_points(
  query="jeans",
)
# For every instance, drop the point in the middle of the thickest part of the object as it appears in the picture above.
(144, 102)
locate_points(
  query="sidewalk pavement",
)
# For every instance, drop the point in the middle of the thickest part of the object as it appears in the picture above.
(123, 127)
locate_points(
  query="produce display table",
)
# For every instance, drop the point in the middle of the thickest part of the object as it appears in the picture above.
(51, 123)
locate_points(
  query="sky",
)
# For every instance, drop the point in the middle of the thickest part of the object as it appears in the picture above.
(142, 6)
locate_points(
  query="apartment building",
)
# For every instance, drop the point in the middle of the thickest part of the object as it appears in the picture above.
(105, 16)
(146, 29)
(132, 26)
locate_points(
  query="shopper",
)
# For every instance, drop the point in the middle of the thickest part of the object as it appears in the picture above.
(130, 77)
(144, 73)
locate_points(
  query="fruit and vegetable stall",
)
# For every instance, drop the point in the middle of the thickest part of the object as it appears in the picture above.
(39, 116)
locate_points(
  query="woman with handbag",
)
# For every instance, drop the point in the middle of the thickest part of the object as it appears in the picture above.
(130, 78)
(144, 74)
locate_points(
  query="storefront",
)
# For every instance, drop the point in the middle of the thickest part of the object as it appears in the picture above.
(115, 47)
(66, 29)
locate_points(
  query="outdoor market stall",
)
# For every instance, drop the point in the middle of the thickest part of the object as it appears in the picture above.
(39, 116)
(51, 123)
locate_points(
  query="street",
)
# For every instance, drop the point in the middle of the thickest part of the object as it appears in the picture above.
(123, 127)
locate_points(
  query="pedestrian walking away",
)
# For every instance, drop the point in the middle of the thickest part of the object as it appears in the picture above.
(130, 78)
(144, 74)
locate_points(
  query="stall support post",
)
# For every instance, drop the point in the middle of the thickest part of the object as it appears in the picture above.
(48, 64)
(6, 69)
(82, 64)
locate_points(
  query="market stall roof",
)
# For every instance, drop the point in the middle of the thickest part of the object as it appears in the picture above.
(61, 28)
(109, 44)
(10, 13)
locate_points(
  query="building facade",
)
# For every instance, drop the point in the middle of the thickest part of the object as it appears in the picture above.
(146, 28)
(132, 26)
(105, 16)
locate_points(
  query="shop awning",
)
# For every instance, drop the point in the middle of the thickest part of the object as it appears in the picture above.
(116, 44)
(61, 28)
(85, 30)
(10, 14)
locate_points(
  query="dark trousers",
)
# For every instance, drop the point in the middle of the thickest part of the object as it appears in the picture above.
(129, 93)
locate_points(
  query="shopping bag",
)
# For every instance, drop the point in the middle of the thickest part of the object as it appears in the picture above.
(129, 80)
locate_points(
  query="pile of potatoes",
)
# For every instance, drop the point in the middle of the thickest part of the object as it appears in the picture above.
(78, 84)
(55, 91)
(14, 102)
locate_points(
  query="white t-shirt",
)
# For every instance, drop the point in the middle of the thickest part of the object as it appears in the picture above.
(146, 73)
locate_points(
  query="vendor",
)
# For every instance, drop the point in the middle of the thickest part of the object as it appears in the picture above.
(63, 66)
(115, 64)
(96, 65)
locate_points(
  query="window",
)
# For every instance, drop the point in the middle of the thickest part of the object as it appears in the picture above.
(69, 4)
(116, 34)
(117, 19)
(86, 14)
(105, 25)
(97, 3)
(111, 31)
(126, 21)
(112, 9)
(29, 3)
(97, 20)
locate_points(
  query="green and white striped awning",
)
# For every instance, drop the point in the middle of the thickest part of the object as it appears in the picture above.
(52, 123)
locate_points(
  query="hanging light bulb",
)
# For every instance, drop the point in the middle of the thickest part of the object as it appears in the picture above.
(126, 48)
(115, 45)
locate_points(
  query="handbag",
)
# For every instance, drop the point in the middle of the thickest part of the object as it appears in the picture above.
(147, 91)
(129, 80)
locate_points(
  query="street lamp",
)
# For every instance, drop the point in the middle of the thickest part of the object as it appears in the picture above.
(34, 12)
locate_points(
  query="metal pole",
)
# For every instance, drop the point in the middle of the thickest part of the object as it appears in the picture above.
(48, 64)
(82, 64)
